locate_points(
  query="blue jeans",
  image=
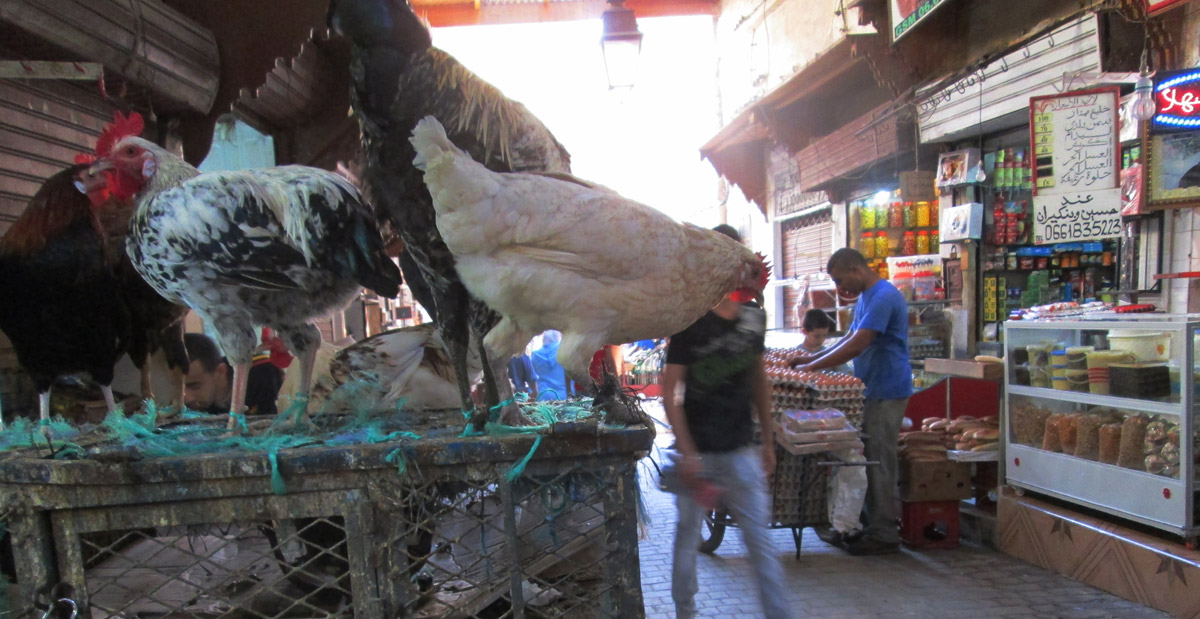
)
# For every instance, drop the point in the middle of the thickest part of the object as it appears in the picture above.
(740, 474)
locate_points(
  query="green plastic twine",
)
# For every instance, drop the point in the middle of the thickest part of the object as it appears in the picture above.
(519, 467)
(298, 407)
(277, 484)
(241, 420)
(396, 456)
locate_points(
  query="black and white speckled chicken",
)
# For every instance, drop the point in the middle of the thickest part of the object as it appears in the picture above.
(397, 78)
(276, 247)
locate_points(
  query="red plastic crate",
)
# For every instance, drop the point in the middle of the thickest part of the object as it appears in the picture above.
(930, 524)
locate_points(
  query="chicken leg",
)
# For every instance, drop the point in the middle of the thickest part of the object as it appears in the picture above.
(304, 342)
(498, 392)
(237, 397)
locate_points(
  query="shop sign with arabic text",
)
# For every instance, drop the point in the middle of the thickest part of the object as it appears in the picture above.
(1079, 216)
(1177, 99)
(1074, 138)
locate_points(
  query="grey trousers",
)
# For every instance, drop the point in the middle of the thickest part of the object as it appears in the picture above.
(740, 474)
(881, 424)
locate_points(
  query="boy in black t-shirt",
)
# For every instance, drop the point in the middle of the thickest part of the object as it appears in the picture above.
(718, 359)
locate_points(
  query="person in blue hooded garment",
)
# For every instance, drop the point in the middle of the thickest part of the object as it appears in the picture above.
(552, 381)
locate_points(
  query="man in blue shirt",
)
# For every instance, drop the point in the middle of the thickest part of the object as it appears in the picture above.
(878, 343)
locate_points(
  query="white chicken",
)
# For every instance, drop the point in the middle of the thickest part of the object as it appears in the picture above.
(553, 252)
(409, 365)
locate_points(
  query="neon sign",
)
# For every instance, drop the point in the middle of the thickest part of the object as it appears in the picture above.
(1177, 97)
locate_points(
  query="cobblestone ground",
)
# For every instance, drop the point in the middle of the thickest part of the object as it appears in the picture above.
(968, 582)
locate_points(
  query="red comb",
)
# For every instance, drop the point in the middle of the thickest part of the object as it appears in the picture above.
(84, 158)
(766, 274)
(121, 127)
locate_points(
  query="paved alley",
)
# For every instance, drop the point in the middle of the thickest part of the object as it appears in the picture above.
(970, 581)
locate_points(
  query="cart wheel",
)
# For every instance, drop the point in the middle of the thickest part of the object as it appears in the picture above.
(714, 526)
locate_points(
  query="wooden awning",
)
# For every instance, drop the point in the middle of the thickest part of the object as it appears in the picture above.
(298, 89)
(738, 150)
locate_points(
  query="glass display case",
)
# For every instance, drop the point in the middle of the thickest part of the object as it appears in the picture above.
(1100, 411)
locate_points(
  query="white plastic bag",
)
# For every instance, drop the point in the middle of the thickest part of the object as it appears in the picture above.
(847, 491)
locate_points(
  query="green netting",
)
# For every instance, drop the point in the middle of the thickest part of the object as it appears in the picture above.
(193, 433)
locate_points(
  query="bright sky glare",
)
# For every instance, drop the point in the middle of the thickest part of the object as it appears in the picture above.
(643, 143)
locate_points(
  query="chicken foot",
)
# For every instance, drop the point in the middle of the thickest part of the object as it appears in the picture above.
(495, 349)
(498, 391)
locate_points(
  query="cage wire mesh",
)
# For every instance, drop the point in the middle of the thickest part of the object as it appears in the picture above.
(456, 540)
(254, 558)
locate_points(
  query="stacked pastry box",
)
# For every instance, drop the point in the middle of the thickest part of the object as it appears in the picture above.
(796, 390)
(805, 432)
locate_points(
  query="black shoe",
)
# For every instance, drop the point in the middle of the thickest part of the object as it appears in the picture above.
(831, 536)
(867, 546)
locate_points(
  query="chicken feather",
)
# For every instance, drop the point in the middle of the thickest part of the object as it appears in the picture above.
(549, 253)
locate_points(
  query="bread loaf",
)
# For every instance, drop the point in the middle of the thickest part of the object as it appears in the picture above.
(1087, 437)
(1066, 433)
(1133, 436)
(1110, 443)
(1050, 440)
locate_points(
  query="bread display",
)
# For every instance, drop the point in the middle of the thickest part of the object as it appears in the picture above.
(1110, 442)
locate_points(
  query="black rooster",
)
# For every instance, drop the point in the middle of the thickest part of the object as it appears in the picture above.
(398, 78)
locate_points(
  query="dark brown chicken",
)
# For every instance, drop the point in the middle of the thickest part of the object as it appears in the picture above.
(60, 303)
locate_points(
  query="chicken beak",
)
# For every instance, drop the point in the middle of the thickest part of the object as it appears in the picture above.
(102, 165)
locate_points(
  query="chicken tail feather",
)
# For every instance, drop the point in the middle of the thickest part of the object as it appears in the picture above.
(430, 141)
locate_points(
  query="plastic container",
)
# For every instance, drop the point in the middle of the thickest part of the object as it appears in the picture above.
(934, 240)
(881, 245)
(1077, 357)
(1039, 355)
(1145, 345)
(1039, 377)
(923, 242)
(896, 215)
(909, 243)
(1098, 380)
(867, 245)
(866, 216)
(910, 215)
(1059, 383)
(1101, 359)
(1078, 380)
(922, 215)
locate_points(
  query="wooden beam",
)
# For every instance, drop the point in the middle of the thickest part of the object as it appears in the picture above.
(50, 70)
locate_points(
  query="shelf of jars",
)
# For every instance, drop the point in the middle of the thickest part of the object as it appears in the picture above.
(1099, 411)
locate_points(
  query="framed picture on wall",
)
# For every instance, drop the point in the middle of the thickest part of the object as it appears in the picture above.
(1155, 6)
(1172, 172)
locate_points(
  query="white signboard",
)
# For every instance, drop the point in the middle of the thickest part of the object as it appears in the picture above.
(1074, 139)
(1079, 216)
